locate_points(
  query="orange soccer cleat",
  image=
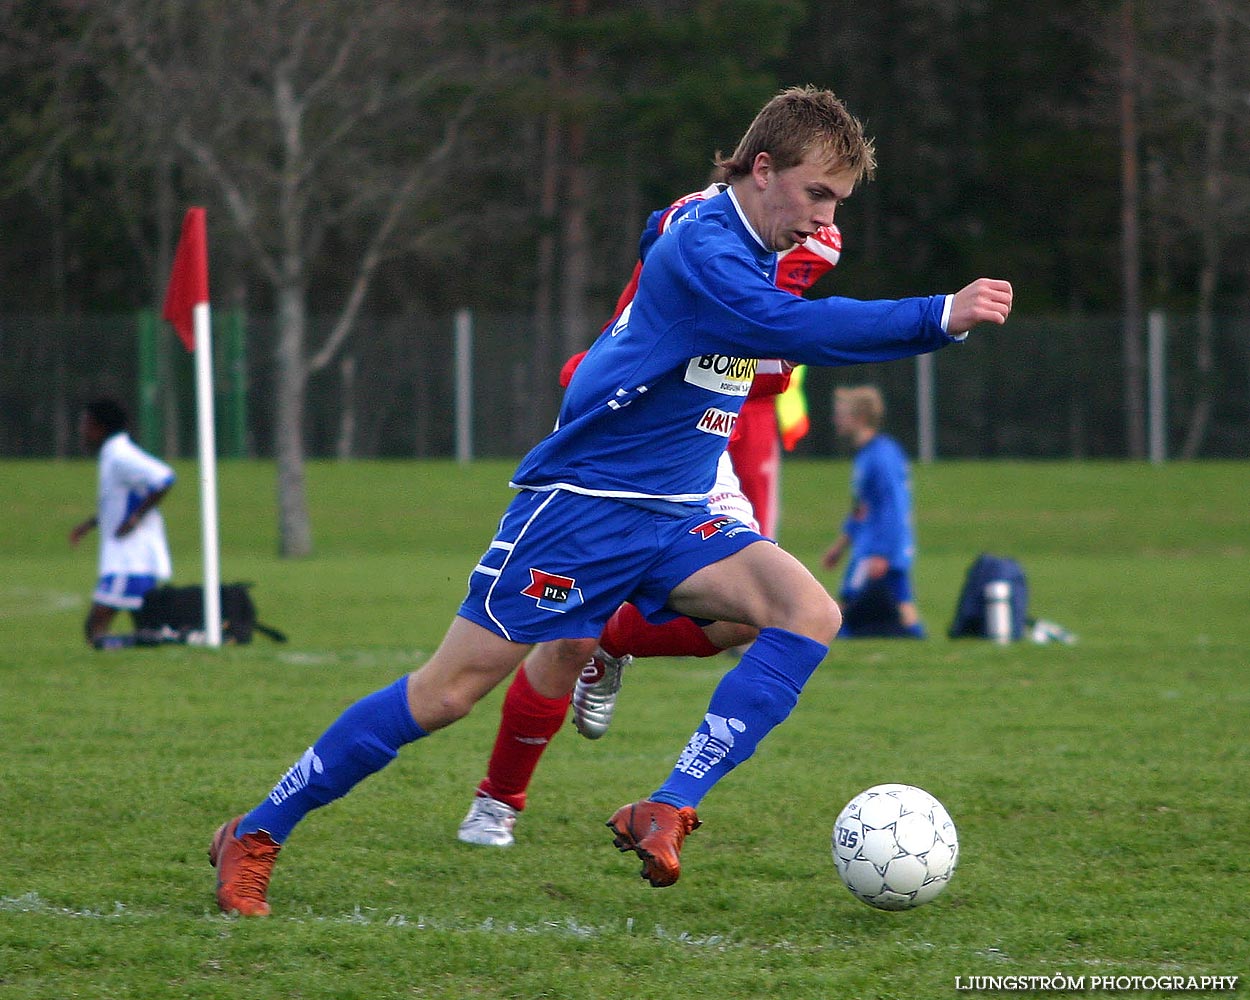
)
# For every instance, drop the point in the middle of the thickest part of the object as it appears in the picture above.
(655, 832)
(243, 865)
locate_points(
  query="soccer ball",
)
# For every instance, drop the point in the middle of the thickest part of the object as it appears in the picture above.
(895, 846)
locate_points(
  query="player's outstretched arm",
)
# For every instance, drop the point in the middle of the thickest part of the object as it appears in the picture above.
(80, 529)
(833, 555)
(986, 300)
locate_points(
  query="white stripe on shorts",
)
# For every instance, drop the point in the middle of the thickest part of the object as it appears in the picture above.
(510, 546)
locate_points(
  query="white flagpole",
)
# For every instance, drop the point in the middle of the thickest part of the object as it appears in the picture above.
(208, 473)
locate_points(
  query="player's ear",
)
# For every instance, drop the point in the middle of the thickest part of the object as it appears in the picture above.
(762, 169)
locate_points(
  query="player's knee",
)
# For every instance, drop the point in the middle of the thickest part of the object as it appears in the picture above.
(553, 667)
(818, 617)
(436, 701)
(835, 620)
(827, 620)
(576, 651)
(450, 706)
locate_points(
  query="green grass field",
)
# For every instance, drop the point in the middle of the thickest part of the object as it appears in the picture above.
(1100, 790)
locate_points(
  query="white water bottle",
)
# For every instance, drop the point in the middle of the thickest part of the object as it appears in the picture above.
(998, 611)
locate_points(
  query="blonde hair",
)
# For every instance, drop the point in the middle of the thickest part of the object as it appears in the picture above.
(796, 121)
(864, 402)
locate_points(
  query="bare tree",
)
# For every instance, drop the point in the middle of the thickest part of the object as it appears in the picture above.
(1198, 68)
(318, 121)
(1215, 143)
(574, 233)
(1193, 65)
(562, 257)
(52, 149)
(1130, 227)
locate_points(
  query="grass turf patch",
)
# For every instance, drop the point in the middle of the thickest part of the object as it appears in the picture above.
(1098, 789)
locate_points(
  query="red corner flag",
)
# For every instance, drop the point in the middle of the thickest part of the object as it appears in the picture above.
(188, 282)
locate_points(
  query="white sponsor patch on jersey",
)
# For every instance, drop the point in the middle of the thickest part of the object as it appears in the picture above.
(721, 373)
(719, 422)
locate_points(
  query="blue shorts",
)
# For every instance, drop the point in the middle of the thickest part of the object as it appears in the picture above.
(118, 590)
(896, 581)
(562, 563)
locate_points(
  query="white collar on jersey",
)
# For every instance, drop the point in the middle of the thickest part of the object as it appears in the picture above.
(750, 229)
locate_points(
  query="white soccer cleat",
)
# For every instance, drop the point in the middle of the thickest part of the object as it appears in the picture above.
(594, 697)
(488, 823)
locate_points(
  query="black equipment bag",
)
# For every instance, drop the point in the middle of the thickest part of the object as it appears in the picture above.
(969, 618)
(180, 610)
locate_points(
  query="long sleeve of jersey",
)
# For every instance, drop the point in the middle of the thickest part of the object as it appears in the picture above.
(734, 307)
(652, 405)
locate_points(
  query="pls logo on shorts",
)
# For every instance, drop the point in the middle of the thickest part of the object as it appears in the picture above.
(553, 592)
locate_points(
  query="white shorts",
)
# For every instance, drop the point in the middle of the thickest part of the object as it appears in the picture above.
(727, 497)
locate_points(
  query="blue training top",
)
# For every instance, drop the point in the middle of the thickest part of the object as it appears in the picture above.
(881, 523)
(652, 405)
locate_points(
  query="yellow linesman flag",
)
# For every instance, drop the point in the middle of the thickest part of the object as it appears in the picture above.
(792, 410)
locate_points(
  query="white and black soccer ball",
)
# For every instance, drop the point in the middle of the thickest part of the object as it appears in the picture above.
(895, 846)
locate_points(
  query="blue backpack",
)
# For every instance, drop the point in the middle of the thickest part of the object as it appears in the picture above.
(970, 611)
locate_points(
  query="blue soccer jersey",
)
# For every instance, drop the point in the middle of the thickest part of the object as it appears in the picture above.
(880, 523)
(652, 405)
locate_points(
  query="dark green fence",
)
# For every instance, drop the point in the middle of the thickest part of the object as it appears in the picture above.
(1041, 387)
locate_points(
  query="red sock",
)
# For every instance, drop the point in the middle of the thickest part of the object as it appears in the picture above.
(527, 724)
(628, 631)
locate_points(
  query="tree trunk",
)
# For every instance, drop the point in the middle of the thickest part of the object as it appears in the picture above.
(541, 376)
(1134, 367)
(294, 528)
(62, 419)
(575, 246)
(167, 214)
(1204, 363)
(1212, 244)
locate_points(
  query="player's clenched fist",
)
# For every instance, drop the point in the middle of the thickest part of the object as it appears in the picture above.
(986, 300)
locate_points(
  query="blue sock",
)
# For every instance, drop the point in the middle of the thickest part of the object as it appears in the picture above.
(362, 740)
(750, 701)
